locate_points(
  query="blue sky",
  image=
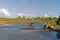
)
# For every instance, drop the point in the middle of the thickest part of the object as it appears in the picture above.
(30, 8)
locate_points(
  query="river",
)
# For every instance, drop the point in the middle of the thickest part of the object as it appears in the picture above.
(11, 32)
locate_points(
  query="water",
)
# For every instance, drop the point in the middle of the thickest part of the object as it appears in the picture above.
(11, 32)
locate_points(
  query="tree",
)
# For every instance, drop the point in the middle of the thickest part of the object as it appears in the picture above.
(38, 17)
(58, 21)
(23, 17)
(18, 17)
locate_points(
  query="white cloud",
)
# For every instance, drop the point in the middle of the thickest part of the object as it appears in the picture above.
(4, 12)
(46, 15)
(20, 14)
(25, 14)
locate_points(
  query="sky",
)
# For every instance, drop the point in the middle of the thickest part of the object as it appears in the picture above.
(29, 8)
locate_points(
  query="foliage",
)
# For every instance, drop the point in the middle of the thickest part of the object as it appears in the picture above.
(18, 17)
(58, 21)
(50, 20)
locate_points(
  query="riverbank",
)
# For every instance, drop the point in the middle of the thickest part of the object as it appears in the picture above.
(52, 28)
(28, 20)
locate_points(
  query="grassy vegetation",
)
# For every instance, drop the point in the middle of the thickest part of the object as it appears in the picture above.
(49, 20)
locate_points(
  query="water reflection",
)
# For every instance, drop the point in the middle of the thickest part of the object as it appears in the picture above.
(12, 32)
(58, 35)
